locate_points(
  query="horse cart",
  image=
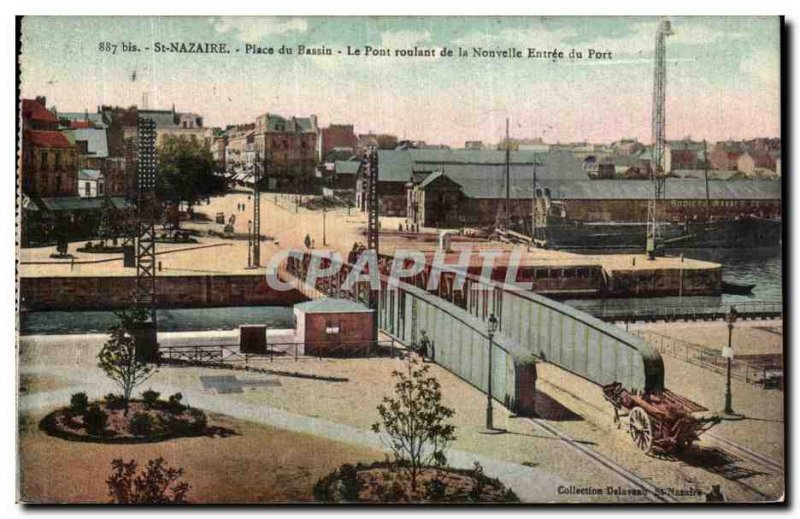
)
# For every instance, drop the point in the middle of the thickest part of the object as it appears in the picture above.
(664, 422)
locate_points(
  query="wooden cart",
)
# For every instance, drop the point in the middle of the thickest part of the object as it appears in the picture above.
(663, 422)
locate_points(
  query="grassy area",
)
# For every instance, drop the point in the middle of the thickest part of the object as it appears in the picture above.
(258, 464)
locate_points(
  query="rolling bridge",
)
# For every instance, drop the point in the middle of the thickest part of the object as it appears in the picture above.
(531, 329)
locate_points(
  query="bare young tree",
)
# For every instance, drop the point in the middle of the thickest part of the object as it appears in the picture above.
(118, 357)
(416, 421)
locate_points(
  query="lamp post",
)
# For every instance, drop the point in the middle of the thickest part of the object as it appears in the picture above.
(324, 224)
(730, 318)
(491, 328)
(249, 243)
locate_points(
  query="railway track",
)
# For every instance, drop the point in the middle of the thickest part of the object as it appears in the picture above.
(745, 453)
(650, 492)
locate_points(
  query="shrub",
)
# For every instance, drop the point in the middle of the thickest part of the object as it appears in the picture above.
(150, 398)
(350, 484)
(174, 403)
(114, 401)
(78, 403)
(158, 483)
(141, 424)
(89, 245)
(435, 490)
(200, 420)
(94, 419)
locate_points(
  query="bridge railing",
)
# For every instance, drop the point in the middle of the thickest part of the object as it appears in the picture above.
(707, 358)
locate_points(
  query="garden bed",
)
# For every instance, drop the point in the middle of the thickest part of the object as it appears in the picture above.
(384, 482)
(105, 421)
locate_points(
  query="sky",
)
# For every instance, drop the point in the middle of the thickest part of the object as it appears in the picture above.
(723, 74)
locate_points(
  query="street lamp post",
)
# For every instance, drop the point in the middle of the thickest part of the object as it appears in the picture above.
(324, 224)
(730, 318)
(491, 328)
(249, 243)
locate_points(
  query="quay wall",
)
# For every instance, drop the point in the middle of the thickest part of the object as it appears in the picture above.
(112, 292)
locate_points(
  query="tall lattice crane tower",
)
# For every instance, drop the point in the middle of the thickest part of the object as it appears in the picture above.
(657, 173)
(147, 209)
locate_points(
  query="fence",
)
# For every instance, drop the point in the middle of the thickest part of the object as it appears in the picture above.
(712, 360)
(221, 354)
(747, 310)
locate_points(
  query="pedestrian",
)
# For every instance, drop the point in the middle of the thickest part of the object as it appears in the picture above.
(424, 345)
(307, 241)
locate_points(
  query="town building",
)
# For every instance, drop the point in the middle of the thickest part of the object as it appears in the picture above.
(447, 202)
(289, 147)
(91, 183)
(400, 171)
(49, 160)
(754, 161)
(725, 155)
(336, 136)
(684, 154)
(382, 141)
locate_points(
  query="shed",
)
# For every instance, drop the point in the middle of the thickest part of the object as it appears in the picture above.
(334, 327)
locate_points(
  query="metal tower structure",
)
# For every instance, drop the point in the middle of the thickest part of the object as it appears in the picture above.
(373, 223)
(659, 135)
(146, 204)
(259, 168)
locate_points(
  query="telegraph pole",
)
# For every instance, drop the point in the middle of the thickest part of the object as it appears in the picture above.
(506, 209)
(257, 167)
(373, 224)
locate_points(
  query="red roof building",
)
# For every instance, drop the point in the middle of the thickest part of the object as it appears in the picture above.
(36, 116)
(46, 139)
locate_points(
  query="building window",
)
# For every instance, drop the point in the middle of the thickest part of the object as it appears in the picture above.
(58, 160)
(87, 189)
(44, 160)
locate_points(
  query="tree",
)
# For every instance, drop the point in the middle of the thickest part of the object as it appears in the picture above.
(109, 226)
(62, 245)
(415, 420)
(186, 172)
(158, 483)
(118, 357)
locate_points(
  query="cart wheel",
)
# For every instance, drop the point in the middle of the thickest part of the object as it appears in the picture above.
(641, 429)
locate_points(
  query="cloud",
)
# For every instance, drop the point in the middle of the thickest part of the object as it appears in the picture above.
(404, 39)
(539, 36)
(250, 29)
(762, 65)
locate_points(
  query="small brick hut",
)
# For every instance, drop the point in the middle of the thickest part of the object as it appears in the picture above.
(334, 327)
